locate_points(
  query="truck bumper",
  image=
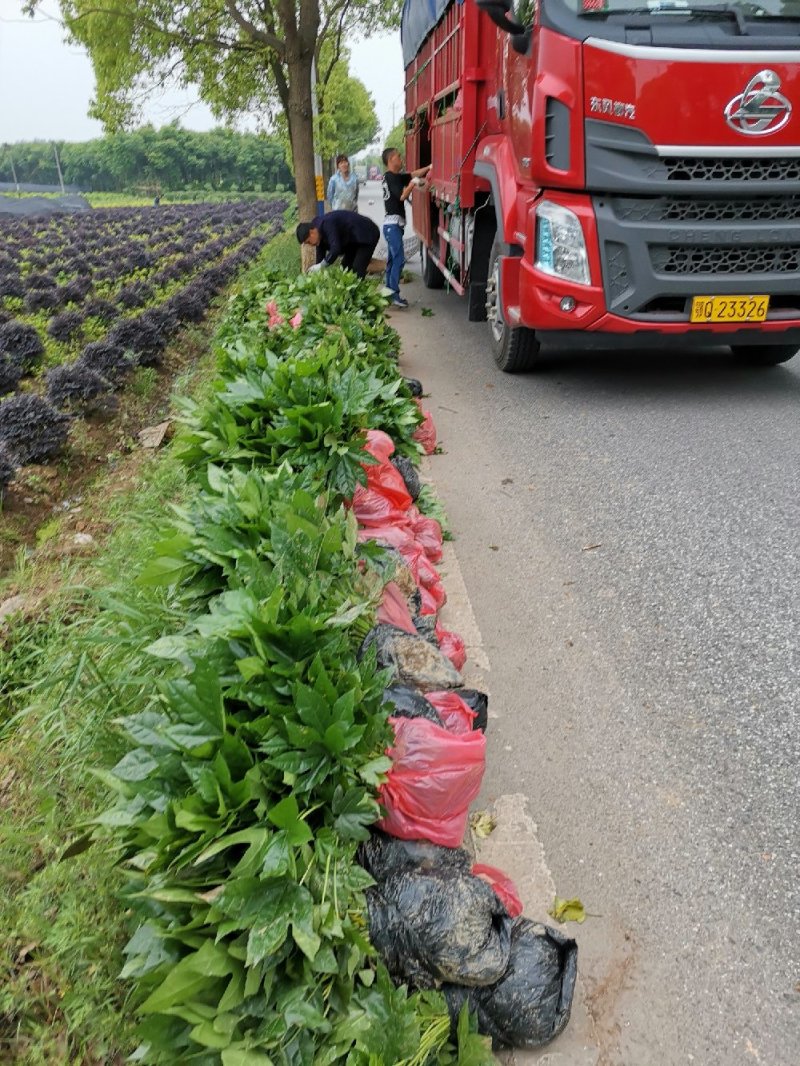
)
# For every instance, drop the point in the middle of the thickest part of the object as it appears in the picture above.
(609, 340)
(643, 286)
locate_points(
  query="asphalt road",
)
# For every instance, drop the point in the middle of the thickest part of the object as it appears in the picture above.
(627, 527)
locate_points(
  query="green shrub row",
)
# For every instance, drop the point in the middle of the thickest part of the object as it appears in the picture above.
(258, 743)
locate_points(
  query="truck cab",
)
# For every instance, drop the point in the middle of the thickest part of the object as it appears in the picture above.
(608, 170)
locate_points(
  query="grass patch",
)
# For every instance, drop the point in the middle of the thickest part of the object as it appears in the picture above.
(283, 254)
(62, 927)
(144, 381)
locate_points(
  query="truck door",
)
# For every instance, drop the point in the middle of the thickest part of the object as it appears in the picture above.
(518, 81)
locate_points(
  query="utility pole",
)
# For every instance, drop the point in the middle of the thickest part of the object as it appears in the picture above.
(318, 179)
(58, 168)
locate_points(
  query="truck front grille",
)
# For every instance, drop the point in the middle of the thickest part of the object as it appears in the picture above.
(711, 168)
(683, 209)
(725, 259)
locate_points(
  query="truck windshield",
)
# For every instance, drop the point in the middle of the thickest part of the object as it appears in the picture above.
(699, 9)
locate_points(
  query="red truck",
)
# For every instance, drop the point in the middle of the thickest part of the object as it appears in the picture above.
(606, 172)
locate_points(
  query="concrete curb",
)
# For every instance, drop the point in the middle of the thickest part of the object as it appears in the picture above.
(514, 845)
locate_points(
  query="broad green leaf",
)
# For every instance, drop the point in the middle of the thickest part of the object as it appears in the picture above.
(244, 836)
(135, 766)
(206, 1035)
(244, 1057)
(251, 666)
(353, 811)
(189, 977)
(302, 918)
(165, 570)
(286, 816)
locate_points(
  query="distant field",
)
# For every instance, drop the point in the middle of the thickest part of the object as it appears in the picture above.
(86, 299)
(192, 196)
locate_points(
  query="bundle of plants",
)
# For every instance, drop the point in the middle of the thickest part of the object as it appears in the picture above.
(258, 752)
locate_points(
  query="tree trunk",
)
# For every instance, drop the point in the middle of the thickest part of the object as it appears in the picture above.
(300, 121)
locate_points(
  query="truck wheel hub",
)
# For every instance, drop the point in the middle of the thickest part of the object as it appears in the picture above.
(494, 314)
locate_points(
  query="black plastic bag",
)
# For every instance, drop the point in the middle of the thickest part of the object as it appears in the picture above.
(413, 385)
(531, 1003)
(384, 856)
(431, 920)
(412, 659)
(425, 625)
(408, 703)
(478, 702)
(409, 474)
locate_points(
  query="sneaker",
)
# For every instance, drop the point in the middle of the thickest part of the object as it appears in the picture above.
(384, 290)
(398, 301)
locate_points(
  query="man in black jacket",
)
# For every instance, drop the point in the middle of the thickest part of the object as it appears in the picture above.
(347, 234)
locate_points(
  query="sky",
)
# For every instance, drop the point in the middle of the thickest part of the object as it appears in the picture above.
(46, 84)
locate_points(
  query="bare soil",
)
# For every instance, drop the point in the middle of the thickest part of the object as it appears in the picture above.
(104, 447)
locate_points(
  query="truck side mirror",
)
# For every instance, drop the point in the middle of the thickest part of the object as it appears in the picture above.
(499, 11)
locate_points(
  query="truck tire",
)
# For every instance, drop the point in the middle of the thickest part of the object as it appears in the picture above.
(514, 350)
(432, 277)
(764, 354)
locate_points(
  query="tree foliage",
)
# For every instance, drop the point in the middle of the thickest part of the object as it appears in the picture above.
(396, 137)
(169, 158)
(347, 118)
(245, 56)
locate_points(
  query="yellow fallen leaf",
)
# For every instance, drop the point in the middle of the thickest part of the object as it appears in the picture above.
(482, 824)
(567, 910)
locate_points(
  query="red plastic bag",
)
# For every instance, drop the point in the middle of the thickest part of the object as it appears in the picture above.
(379, 444)
(385, 498)
(456, 714)
(373, 508)
(392, 534)
(451, 645)
(504, 887)
(435, 776)
(388, 481)
(393, 609)
(425, 432)
(433, 598)
(399, 536)
(427, 533)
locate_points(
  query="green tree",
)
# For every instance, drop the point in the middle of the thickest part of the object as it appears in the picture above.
(244, 56)
(170, 158)
(347, 118)
(396, 137)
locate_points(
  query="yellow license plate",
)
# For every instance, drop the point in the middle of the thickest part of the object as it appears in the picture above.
(729, 308)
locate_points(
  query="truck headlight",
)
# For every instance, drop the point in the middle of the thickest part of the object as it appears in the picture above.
(560, 247)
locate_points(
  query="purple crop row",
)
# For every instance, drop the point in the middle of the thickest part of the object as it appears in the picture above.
(33, 427)
(36, 256)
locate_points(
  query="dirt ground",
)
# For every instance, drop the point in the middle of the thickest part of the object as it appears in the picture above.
(40, 495)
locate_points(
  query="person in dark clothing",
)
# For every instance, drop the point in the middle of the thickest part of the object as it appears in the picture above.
(344, 234)
(398, 185)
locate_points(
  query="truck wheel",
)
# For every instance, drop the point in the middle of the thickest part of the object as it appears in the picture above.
(432, 277)
(514, 350)
(764, 354)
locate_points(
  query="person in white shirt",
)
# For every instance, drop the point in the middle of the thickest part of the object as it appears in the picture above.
(343, 187)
